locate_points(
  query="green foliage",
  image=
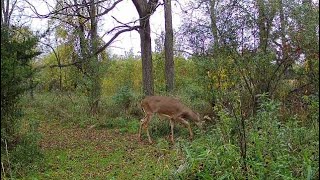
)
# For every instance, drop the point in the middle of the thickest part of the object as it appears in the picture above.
(217, 77)
(27, 153)
(122, 73)
(275, 149)
(18, 150)
(312, 102)
(123, 97)
(208, 157)
(64, 107)
(19, 144)
(125, 102)
(158, 68)
(125, 125)
(49, 77)
(16, 54)
(281, 150)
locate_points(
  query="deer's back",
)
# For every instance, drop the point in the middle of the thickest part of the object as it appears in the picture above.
(162, 105)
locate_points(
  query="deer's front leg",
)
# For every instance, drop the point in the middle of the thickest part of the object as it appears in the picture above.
(149, 137)
(144, 123)
(187, 124)
(172, 126)
(140, 128)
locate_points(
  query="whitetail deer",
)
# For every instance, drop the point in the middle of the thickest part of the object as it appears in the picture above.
(168, 107)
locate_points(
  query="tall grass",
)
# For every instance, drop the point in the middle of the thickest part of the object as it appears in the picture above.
(275, 149)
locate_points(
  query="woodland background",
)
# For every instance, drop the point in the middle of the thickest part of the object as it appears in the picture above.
(70, 108)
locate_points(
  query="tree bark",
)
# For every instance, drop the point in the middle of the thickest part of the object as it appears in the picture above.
(262, 20)
(283, 32)
(145, 9)
(214, 27)
(6, 11)
(95, 85)
(146, 57)
(168, 45)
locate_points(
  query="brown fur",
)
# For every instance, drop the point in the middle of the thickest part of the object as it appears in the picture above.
(169, 107)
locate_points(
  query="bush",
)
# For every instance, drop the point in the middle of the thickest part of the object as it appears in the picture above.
(123, 97)
(16, 72)
(126, 101)
(275, 149)
(208, 157)
(281, 150)
(26, 154)
(17, 50)
(27, 151)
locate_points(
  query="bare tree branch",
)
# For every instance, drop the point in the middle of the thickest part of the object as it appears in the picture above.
(115, 36)
(70, 6)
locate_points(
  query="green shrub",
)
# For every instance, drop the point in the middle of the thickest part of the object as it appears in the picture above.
(275, 149)
(26, 155)
(123, 97)
(312, 102)
(281, 150)
(125, 102)
(208, 157)
(18, 47)
(27, 152)
(16, 72)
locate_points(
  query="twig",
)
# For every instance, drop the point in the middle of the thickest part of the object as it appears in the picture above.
(2, 167)
(7, 152)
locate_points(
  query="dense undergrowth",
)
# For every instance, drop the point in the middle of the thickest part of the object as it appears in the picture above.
(276, 149)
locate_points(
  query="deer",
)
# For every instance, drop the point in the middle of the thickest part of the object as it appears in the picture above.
(168, 107)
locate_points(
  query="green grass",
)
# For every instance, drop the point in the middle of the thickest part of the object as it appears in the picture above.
(77, 153)
(75, 146)
(75, 149)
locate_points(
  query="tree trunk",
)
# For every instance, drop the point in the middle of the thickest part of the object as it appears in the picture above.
(145, 9)
(168, 45)
(262, 20)
(146, 57)
(214, 27)
(283, 32)
(95, 84)
(6, 12)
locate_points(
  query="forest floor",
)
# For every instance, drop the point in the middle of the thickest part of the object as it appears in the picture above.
(91, 153)
(76, 146)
